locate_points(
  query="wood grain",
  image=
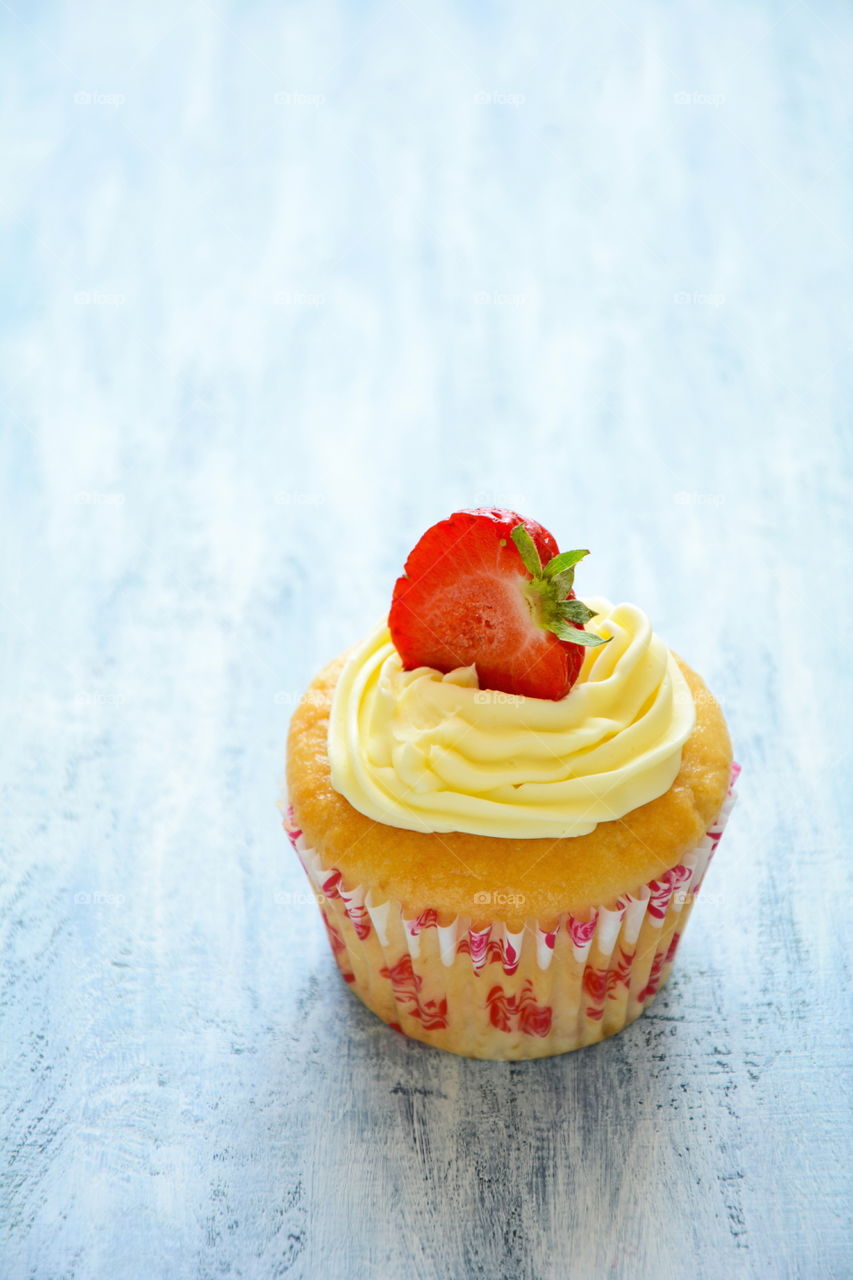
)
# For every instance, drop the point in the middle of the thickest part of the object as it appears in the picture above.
(282, 287)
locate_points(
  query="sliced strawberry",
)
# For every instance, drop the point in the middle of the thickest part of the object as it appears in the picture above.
(475, 592)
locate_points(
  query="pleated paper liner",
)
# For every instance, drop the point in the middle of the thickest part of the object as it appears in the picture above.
(494, 993)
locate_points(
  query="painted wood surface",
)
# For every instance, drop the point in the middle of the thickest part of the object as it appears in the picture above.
(282, 286)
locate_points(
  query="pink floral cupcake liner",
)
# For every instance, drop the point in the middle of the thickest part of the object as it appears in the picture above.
(500, 993)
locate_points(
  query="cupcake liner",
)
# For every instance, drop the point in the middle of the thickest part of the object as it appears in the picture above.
(499, 993)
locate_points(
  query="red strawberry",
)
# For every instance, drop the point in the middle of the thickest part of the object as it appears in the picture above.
(475, 592)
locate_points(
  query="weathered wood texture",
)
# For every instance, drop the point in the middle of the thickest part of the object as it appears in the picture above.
(283, 286)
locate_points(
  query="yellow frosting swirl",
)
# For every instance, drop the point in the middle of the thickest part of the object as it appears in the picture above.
(432, 752)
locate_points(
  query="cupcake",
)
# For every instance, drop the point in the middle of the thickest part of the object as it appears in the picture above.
(506, 799)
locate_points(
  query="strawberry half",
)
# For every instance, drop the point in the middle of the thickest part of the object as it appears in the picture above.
(474, 591)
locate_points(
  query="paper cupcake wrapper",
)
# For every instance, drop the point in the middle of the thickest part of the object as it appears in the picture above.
(500, 993)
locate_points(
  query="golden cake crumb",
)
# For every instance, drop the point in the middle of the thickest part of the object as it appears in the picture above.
(539, 877)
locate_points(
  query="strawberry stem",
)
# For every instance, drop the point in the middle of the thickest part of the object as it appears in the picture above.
(527, 550)
(549, 589)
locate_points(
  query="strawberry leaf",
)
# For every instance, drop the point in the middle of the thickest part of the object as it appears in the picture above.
(565, 631)
(575, 611)
(565, 560)
(563, 583)
(527, 550)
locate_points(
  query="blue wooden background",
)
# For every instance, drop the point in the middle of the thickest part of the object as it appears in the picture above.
(282, 285)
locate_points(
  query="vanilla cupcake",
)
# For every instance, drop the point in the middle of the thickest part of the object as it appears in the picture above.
(506, 800)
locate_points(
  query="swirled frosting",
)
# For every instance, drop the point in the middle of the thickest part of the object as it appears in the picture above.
(428, 751)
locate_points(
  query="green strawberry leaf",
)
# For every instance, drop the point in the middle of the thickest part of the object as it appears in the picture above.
(565, 560)
(527, 550)
(566, 632)
(588, 640)
(563, 583)
(549, 589)
(575, 611)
